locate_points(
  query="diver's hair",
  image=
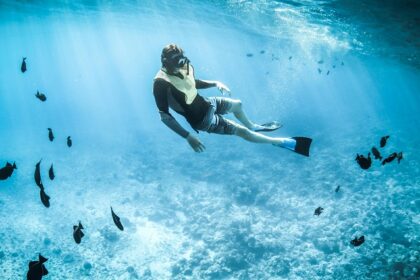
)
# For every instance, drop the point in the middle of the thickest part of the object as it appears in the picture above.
(167, 52)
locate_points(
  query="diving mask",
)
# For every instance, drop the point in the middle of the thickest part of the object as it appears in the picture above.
(178, 60)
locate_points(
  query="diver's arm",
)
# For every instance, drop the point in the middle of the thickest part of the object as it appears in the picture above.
(173, 124)
(202, 84)
(160, 89)
(160, 92)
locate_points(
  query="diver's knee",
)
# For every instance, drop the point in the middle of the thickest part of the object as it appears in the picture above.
(236, 105)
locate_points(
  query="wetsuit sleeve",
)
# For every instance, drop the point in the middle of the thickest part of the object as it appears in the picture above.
(160, 92)
(161, 98)
(200, 84)
(172, 123)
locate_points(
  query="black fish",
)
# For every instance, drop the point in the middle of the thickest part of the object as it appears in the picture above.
(7, 171)
(23, 66)
(117, 220)
(290, 57)
(320, 62)
(51, 172)
(40, 96)
(249, 55)
(376, 153)
(328, 72)
(318, 211)
(390, 158)
(50, 134)
(262, 51)
(37, 269)
(44, 198)
(77, 233)
(383, 141)
(399, 157)
(364, 162)
(69, 142)
(319, 71)
(358, 241)
(337, 188)
(37, 175)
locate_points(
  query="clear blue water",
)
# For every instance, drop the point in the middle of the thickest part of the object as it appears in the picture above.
(238, 210)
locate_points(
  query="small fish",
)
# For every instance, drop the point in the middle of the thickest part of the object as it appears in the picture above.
(358, 241)
(273, 57)
(342, 63)
(337, 188)
(318, 211)
(45, 199)
(37, 269)
(328, 72)
(249, 55)
(51, 173)
(320, 62)
(77, 233)
(364, 162)
(383, 141)
(376, 153)
(399, 157)
(333, 66)
(117, 220)
(40, 96)
(290, 57)
(7, 171)
(50, 134)
(37, 175)
(390, 158)
(69, 142)
(262, 51)
(319, 71)
(23, 66)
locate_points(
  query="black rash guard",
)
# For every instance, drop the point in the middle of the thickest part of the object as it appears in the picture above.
(166, 95)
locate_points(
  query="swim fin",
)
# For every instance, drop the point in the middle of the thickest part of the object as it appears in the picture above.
(302, 145)
(299, 145)
(270, 126)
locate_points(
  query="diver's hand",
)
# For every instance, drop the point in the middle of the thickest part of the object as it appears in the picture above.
(223, 88)
(195, 143)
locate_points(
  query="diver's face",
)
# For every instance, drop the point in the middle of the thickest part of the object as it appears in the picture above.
(178, 62)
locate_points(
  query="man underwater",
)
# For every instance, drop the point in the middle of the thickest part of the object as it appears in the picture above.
(175, 87)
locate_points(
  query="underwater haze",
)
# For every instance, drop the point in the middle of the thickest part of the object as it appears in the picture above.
(342, 72)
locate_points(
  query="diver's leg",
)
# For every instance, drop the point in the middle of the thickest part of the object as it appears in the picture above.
(237, 110)
(239, 113)
(220, 125)
(256, 137)
(226, 126)
(226, 105)
(296, 144)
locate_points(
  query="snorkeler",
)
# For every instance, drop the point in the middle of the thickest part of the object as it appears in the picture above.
(175, 87)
